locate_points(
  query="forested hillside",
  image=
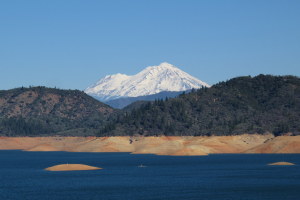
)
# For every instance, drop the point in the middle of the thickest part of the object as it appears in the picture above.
(48, 111)
(260, 104)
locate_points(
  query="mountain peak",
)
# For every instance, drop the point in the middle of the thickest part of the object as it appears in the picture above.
(151, 80)
(166, 65)
(162, 66)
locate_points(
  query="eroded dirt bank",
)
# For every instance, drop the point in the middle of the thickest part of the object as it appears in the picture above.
(163, 145)
(71, 167)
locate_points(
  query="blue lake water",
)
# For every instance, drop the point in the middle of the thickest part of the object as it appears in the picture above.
(213, 177)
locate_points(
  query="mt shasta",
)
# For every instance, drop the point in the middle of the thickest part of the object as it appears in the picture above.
(152, 80)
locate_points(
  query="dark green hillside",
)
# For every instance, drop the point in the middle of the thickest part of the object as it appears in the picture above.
(48, 111)
(260, 104)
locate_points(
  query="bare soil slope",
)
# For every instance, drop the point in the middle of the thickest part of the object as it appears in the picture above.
(173, 145)
(282, 163)
(71, 167)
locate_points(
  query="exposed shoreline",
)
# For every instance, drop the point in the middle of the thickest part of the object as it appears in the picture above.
(163, 145)
(71, 167)
(282, 163)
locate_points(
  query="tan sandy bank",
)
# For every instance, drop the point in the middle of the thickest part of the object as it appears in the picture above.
(281, 163)
(71, 167)
(162, 145)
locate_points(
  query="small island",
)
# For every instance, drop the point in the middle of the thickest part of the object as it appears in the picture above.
(71, 167)
(281, 163)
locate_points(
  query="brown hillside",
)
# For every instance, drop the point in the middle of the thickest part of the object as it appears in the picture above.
(40, 111)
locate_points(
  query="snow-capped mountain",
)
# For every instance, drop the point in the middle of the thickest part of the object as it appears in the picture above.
(152, 80)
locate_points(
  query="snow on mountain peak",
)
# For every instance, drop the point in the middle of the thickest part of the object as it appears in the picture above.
(166, 65)
(162, 66)
(152, 80)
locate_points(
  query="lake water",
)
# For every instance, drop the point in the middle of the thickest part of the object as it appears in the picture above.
(210, 177)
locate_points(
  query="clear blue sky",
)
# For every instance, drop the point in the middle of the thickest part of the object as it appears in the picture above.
(72, 44)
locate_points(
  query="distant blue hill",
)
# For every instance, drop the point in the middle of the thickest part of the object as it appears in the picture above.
(123, 102)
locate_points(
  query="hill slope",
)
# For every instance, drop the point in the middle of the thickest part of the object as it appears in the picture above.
(260, 104)
(40, 110)
(123, 102)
